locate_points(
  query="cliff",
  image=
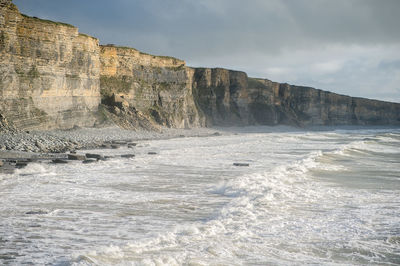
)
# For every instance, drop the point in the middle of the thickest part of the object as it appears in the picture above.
(272, 103)
(221, 96)
(53, 77)
(48, 72)
(227, 97)
(156, 87)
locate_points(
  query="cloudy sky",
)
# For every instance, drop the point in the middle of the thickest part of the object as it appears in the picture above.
(345, 46)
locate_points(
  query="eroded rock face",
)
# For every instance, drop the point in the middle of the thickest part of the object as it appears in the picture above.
(156, 86)
(52, 77)
(5, 3)
(227, 97)
(222, 96)
(49, 73)
(272, 103)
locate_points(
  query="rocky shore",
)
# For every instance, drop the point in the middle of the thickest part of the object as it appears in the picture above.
(18, 148)
(59, 141)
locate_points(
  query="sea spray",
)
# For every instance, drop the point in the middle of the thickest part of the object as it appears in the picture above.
(316, 198)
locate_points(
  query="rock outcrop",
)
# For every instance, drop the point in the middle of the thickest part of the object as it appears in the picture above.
(53, 77)
(156, 87)
(49, 73)
(272, 103)
(222, 96)
(227, 97)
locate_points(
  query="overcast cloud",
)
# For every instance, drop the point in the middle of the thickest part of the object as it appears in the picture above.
(346, 46)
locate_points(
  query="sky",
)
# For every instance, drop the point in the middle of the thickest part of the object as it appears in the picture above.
(349, 47)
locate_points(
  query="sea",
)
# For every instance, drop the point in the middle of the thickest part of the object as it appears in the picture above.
(307, 197)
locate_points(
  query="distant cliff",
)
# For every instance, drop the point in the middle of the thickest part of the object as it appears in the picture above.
(229, 97)
(53, 77)
(274, 103)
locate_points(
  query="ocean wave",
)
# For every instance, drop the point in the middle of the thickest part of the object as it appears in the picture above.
(191, 206)
(34, 169)
(395, 137)
(252, 196)
(368, 147)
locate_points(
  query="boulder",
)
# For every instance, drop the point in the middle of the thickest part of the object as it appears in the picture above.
(106, 145)
(241, 164)
(119, 142)
(21, 164)
(116, 110)
(59, 161)
(128, 155)
(132, 144)
(41, 146)
(37, 212)
(87, 161)
(1, 163)
(94, 156)
(118, 101)
(152, 153)
(115, 146)
(77, 157)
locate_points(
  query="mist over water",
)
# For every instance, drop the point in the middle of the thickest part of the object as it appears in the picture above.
(321, 197)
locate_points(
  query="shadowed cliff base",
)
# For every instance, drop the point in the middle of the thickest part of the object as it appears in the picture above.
(53, 77)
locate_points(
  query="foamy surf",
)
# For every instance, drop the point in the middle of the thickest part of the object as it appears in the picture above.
(316, 198)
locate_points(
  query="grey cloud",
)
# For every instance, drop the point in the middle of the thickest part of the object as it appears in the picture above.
(229, 26)
(390, 65)
(350, 21)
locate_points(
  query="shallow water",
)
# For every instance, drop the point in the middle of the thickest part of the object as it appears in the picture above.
(327, 197)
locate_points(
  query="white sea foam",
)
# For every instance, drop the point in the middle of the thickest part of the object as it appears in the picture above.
(306, 199)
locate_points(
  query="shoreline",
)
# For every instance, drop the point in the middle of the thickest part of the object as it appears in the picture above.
(57, 144)
(19, 148)
(62, 141)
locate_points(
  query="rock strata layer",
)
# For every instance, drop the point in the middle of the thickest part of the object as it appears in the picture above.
(272, 103)
(49, 72)
(154, 87)
(53, 77)
(222, 96)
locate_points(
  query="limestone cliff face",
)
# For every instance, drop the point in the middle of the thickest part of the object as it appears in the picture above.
(53, 77)
(272, 103)
(155, 86)
(48, 72)
(227, 97)
(222, 96)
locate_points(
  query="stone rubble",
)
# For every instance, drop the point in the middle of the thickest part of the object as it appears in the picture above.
(61, 141)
